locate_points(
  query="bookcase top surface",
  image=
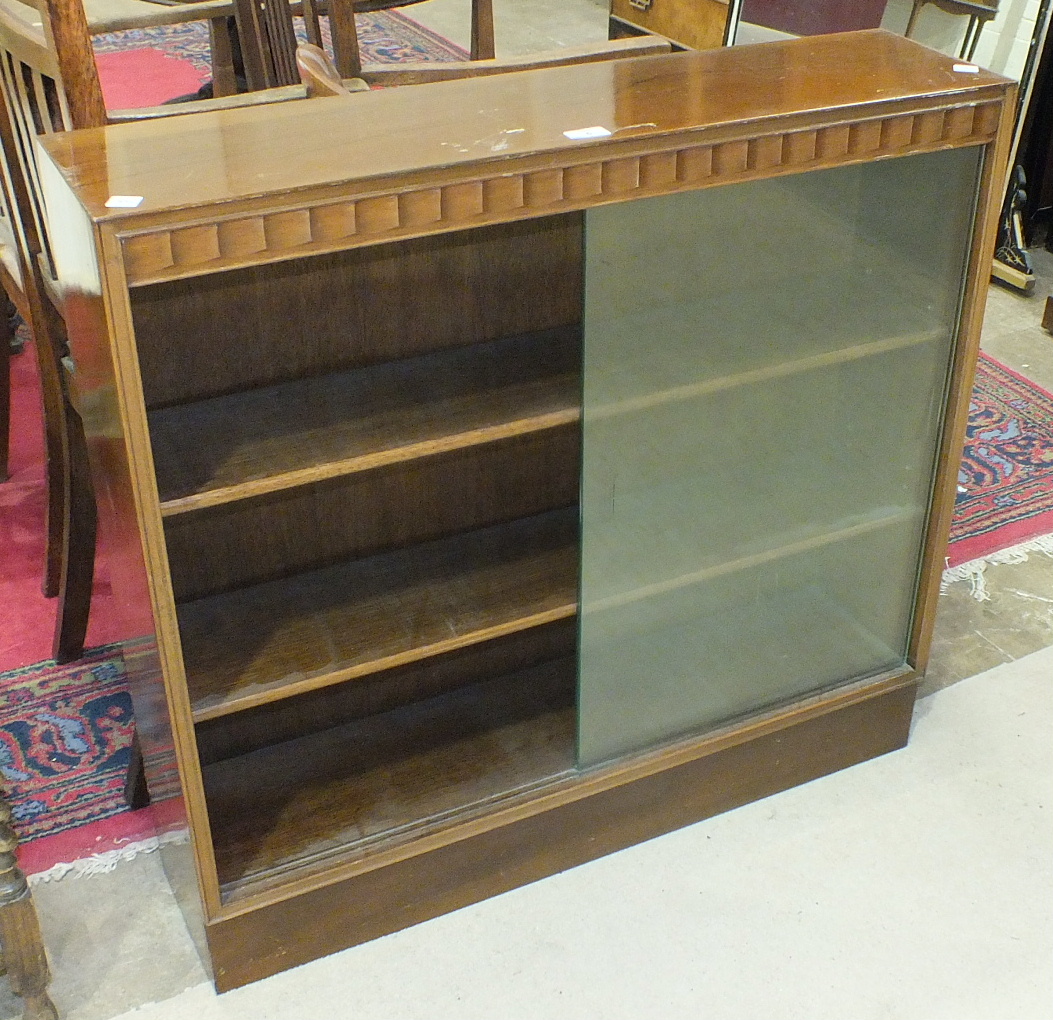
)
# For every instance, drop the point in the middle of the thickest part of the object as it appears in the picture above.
(449, 130)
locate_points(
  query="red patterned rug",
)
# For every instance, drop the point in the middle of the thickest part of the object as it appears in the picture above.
(144, 67)
(65, 745)
(1005, 484)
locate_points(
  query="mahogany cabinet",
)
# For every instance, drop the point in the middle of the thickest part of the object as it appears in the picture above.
(497, 473)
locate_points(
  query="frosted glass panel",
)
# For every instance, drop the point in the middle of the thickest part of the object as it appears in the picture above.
(765, 367)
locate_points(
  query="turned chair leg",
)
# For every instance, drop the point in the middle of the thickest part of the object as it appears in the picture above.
(23, 957)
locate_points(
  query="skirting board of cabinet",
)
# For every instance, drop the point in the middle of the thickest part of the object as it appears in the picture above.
(589, 815)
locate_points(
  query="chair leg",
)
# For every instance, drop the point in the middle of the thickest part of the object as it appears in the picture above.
(56, 449)
(482, 47)
(344, 35)
(221, 35)
(136, 793)
(23, 948)
(7, 339)
(78, 568)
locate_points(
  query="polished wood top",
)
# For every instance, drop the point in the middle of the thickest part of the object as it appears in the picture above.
(445, 131)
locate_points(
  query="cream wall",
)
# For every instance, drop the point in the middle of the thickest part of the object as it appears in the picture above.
(1003, 42)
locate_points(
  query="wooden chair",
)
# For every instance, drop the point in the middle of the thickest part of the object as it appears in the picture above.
(979, 12)
(70, 506)
(49, 83)
(320, 77)
(268, 40)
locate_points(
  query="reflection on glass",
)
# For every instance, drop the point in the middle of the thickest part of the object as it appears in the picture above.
(764, 370)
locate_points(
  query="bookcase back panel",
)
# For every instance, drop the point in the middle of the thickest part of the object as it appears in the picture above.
(252, 327)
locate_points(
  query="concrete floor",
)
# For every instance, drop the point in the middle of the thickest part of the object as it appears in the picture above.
(915, 887)
(972, 636)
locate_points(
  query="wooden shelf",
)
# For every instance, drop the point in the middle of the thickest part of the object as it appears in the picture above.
(396, 775)
(761, 374)
(271, 641)
(805, 540)
(250, 443)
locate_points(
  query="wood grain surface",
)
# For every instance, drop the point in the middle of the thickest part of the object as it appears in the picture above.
(255, 645)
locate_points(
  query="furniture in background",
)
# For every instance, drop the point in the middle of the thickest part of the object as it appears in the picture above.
(268, 40)
(22, 953)
(687, 24)
(50, 84)
(504, 493)
(320, 76)
(121, 15)
(9, 345)
(806, 17)
(977, 11)
(69, 545)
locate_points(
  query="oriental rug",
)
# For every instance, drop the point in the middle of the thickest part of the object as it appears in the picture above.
(144, 67)
(1005, 483)
(65, 747)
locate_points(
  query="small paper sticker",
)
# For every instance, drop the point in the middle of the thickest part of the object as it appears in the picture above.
(124, 201)
(589, 132)
(967, 68)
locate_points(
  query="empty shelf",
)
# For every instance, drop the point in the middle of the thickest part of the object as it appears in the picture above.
(270, 641)
(259, 441)
(391, 776)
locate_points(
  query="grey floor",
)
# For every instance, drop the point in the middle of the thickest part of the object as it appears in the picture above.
(915, 887)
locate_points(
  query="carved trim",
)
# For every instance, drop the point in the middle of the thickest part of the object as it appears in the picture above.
(193, 249)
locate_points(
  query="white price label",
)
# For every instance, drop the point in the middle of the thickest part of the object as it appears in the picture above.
(589, 132)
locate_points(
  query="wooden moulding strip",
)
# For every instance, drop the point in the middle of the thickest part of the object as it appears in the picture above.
(580, 819)
(520, 189)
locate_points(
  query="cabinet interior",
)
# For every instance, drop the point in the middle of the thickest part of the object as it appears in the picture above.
(369, 467)
(369, 487)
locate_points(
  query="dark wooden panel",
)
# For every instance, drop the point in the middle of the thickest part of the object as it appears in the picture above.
(253, 327)
(804, 17)
(246, 444)
(260, 644)
(397, 773)
(278, 721)
(252, 541)
(283, 933)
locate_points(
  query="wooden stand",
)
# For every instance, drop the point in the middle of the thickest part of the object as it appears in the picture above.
(22, 954)
(331, 369)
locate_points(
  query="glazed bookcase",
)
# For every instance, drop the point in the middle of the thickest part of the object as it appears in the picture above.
(485, 498)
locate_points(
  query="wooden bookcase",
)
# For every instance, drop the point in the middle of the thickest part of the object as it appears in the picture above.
(356, 375)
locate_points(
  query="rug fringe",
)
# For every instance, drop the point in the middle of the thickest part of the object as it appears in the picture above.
(100, 864)
(973, 571)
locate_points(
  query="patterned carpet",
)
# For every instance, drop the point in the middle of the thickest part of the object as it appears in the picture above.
(65, 738)
(1005, 483)
(385, 37)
